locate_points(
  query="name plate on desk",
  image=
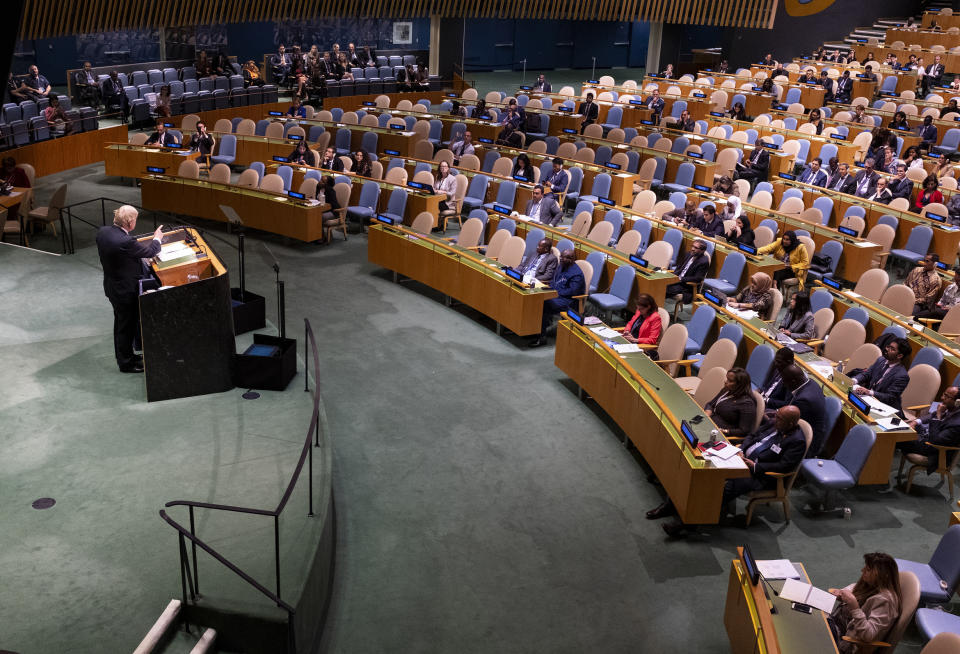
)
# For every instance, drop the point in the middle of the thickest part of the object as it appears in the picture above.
(281, 159)
(749, 249)
(169, 125)
(368, 103)
(695, 155)
(787, 176)
(832, 283)
(758, 88)
(699, 95)
(274, 113)
(612, 165)
(387, 220)
(155, 170)
(596, 81)
(611, 203)
(397, 127)
(937, 217)
(392, 153)
(499, 208)
(563, 108)
(420, 186)
(942, 265)
(718, 114)
(640, 261)
(690, 438)
(770, 146)
(515, 275)
(450, 95)
(484, 139)
(574, 316)
(294, 137)
(636, 102)
(526, 88)
(847, 231)
(859, 403)
(701, 187)
(646, 122)
(840, 137)
(712, 297)
(297, 196)
(569, 130)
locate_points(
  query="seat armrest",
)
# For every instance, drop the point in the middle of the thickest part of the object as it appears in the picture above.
(919, 407)
(869, 643)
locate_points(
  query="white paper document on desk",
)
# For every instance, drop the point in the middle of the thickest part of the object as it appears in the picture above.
(746, 314)
(605, 332)
(778, 569)
(626, 348)
(878, 406)
(803, 593)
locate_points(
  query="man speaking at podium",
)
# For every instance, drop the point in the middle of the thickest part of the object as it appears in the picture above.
(120, 256)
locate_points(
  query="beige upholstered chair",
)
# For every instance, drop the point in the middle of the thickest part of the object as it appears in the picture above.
(512, 252)
(497, 241)
(249, 178)
(643, 202)
(710, 384)
(272, 182)
(581, 224)
(723, 354)
(470, 233)
(872, 284)
(658, 254)
(899, 298)
(845, 337)
(601, 233)
(220, 173)
(671, 346)
(423, 223)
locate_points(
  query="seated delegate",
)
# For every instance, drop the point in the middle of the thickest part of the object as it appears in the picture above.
(540, 265)
(870, 607)
(646, 326)
(756, 296)
(887, 377)
(798, 322)
(939, 427)
(567, 282)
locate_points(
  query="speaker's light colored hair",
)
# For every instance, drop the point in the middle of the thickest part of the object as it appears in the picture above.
(124, 215)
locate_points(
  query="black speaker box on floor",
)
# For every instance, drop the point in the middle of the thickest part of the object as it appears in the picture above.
(248, 314)
(269, 364)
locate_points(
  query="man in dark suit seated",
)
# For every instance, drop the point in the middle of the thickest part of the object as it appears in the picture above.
(331, 161)
(842, 181)
(543, 208)
(88, 91)
(887, 377)
(868, 74)
(567, 282)
(940, 426)
(865, 183)
(686, 123)
(654, 103)
(775, 447)
(756, 166)
(813, 175)
(540, 264)
(844, 88)
(900, 185)
(114, 99)
(590, 112)
(774, 389)
(807, 396)
(691, 268)
(121, 257)
(827, 85)
(542, 85)
(161, 137)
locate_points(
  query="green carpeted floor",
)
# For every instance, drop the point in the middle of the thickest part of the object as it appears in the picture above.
(481, 506)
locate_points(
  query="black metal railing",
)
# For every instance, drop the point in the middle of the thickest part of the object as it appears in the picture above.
(189, 579)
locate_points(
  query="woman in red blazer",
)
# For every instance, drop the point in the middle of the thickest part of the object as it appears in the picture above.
(645, 327)
(929, 193)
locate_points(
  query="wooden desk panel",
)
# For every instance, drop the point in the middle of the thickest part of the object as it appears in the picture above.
(517, 309)
(258, 210)
(56, 155)
(123, 160)
(694, 487)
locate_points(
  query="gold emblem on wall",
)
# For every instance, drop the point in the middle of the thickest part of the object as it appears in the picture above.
(805, 7)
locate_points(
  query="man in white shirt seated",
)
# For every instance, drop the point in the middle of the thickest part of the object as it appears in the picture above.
(543, 208)
(539, 265)
(462, 147)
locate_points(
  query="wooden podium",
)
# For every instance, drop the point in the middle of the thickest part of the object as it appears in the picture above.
(186, 324)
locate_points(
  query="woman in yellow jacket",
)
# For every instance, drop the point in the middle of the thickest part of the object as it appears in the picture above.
(792, 252)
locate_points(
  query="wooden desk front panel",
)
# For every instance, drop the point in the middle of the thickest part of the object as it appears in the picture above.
(133, 161)
(696, 492)
(519, 312)
(56, 155)
(266, 214)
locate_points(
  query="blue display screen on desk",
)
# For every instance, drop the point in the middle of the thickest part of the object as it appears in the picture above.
(636, 102)
(596, 81)
(718, 114)
(640, 261)
(484, 139)
(169, 125)
(526, 88)
(155, 170)
(770, 146)
(749, 249)
(646, 122)
(781, 107)
(753, 572)
(513, 274)
(858, 402)
(937, 217)
(397, 127)
(569, 130)
(574, 316)
(450, 95)
(420, 186)
(699, 95)
(172, 145)
(563, 108)
(841, 137)
(942, 265)
(936, 155)
(758, 88)
(281, 159)
(847, 231)
(713, 297)
(520, 178)
(296, 196)
(612, 165)
(832, 283)
(701, 187)
(294, 137)
(688, 434)
(695, 155)
(610, 203)
(859, 164)
(274, 113)
(482, 117)
(393, 153)
(860, 75)
(787, 176)
(499, 208)
(368, 103)
(385, 219)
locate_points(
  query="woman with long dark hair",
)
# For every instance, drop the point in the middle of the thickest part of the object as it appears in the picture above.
(868, 608)
(522, 168)
(742, 231)
(733, 409)
(798, 323)
(929, 193)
